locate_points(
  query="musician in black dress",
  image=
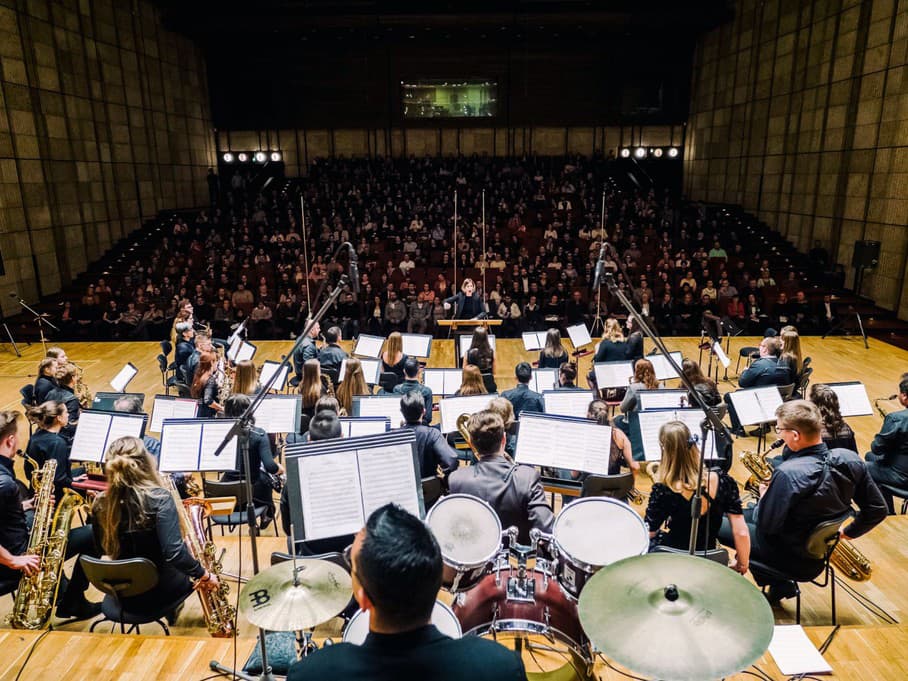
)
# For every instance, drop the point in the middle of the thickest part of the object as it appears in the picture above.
(46, 381)
(47, 443)
(553, 355)
(392, 357)
(613, 347)
(468, 303)
(670, 499)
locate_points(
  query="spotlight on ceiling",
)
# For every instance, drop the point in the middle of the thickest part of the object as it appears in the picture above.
(261, 157)
(639, 152)
(275, 156)
(625, 153)
(673, 152)
(657, 152)
(228, 157)
(242, 157)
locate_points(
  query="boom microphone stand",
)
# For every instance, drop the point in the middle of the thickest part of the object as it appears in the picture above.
(243, 426)
(40, 320)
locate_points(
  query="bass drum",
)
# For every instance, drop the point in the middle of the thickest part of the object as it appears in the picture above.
(469, 533)
(442, 617)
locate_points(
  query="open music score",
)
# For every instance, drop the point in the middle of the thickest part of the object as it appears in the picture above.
(123, 377)
(664, 370)
(563, 442)
(269, 368)
(452, 407)
(533, 340)
(371, 370)
(720, 353)
(189, 445)
(368, 346)
(442, 382)
(463, 344)
(357, 426)
(853, 400)
(97, 429)
(279, 413)
(662, 399)
(417, 344)
(567, 402)
(240, 350)
(756, 405)
(652, 421)
(543, 379)
(579, 335)
(171, 407)
(334, 485)
(613, 374)
(387, 406)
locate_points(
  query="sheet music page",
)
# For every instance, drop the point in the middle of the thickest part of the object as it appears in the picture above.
(368, 346)
(794, 653)
(387, 474)
(434, 379)
(171, 409)
(213, 433)
(121, 426)
(664, 370)
(532, 340)
(720, 353)
(579, 335)
(613, 374)
(543, 379)
(747, 405)
(269, 369)
(770, 399)
(180, 447)
(580, 446)
(355, 427)
(452, 407)
(277, 414)
(662, 399)
(567, 402)
(465, 341)
(245, 351)
(651, 422)
(382, 406)
(90, 441)
(416, 344)
(122, 379)
(234, 347)
(853, 400)
(332, 499)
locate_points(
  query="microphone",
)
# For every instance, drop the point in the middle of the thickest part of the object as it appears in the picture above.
(354, 272)
(778, 443)
(600, 265)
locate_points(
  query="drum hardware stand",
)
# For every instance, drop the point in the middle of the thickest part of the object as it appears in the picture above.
(241, 429)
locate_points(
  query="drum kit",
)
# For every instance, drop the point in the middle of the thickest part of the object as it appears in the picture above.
(584, 590)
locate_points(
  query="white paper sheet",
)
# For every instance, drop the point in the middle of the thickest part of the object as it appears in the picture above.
(331, 495)
(664, 370)
(853, 400)
(122, 379)
(756, 405)
(662, 399)
(575, 445)
(442, 381)
(651, 422)
(543, 379)
(180, 447)
(121, 426)
(358, 426)
(416, 344)
(240, 350)
(269, 369)
(213, 433)
(720, 353)
(388, 407)
(579, 335)
(278, 413)
(386, 475)
(368, 346)
(613, 374)
(464, 343)
(371, 369)
(173, 408)
(533, 340)
(567, 402)
(794, 653)
(452, 407)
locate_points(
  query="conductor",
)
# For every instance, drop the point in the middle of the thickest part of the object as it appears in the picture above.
(468, 304)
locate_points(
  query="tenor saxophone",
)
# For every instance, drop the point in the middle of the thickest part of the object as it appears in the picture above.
(220, 616)
(37, 593)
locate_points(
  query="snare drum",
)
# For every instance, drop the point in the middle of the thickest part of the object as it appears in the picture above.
(442, 617)
(469, 533)
(593, 532)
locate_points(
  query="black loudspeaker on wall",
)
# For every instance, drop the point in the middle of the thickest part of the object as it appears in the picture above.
(866, 254)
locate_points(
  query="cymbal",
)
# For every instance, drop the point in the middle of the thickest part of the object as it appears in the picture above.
(705, 620)
(272, 601)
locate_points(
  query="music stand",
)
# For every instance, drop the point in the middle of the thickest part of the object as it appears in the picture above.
(39, 319)
(844, 326)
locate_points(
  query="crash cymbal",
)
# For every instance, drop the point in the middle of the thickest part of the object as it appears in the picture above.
(271, 600)
(705, 620)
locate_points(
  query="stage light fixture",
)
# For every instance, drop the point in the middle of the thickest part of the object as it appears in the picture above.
(260, 157)
(275, 156)
(228, 157)
(242, 157)
(625, 153)
(673, 152)
(639, 152)
(657, 152)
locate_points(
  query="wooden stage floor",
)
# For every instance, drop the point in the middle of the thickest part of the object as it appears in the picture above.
(866, 648)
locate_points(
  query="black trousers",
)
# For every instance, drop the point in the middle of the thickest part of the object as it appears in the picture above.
(882, 474)
(81, 541)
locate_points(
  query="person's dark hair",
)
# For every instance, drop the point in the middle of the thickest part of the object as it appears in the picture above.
(903, 384)
(46, 413)
(411, 367)
(598, 412)
(523, 372)
(236, 404)
(412, 406)
(480, 347)
(486, 430)
(828, 403)
(9, 423)
(129, 404)
(332, 335)
(325, 425)
(399, 565)
(568, 372)
(328, 403)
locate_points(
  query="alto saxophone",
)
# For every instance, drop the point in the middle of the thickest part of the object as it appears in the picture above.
(220, 616)
(50, 531)
(81, 390)
(845, 556)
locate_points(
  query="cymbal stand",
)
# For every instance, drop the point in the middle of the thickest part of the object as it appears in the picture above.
(40, 320)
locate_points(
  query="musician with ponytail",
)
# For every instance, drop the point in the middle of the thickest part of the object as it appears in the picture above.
(137, 517)
(47, 443)
(204, 386)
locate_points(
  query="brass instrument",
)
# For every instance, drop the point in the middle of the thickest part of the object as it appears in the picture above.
(854, 564)
(81, 389)
(462, 428)
(635, 496)
(50, 531)
(220, 616)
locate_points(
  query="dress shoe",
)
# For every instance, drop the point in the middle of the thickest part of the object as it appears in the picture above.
(83, 610)
(777, 592)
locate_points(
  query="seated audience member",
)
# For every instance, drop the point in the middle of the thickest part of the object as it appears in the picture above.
(887, 460)
(396, 567)
(432, 449)
(514, 491)
(836, 433)
(521, 397)
(812, 484)
(553, 355)
(670, 499)
(411, 383)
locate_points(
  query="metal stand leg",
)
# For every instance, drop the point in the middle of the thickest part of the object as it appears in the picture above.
(12, 341)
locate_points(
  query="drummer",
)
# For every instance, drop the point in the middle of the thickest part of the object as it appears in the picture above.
(514, 491)
(396, 568)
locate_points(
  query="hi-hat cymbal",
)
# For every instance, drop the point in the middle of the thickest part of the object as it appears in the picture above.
(705, 620)
(272, 601)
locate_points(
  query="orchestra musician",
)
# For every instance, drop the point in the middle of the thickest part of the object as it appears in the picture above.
(411, 383)
(204, 387)
(185, 347)
(392, 357)
(354, 383)
(521, 397)
(836, 433)
(202, 344)
(553, 355)
(432, 449)
(65, 393)
(245, 378)
(47, 443)
(306, 351)
(887, 460)
(396, 567)
(514, 491)
(47, 379)
(331, 356)
(311, 386)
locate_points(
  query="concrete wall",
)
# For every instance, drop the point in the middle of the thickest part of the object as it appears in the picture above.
(799, 112)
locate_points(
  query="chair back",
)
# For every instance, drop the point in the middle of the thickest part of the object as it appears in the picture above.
(387, 380)
(719, 555)
(614, 486)
(166, 348)
(432, 490)
(226, 488)
(786, 391)
(162, 364)
(120, 578)
(28, 395)
(824, 537)
(488, 380)
(804, 381)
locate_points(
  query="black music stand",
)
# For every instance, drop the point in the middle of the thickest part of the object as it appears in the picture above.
(9, 334)
(39, 319)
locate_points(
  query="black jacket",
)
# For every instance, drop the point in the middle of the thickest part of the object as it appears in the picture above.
(433, 451)
(523, 399)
